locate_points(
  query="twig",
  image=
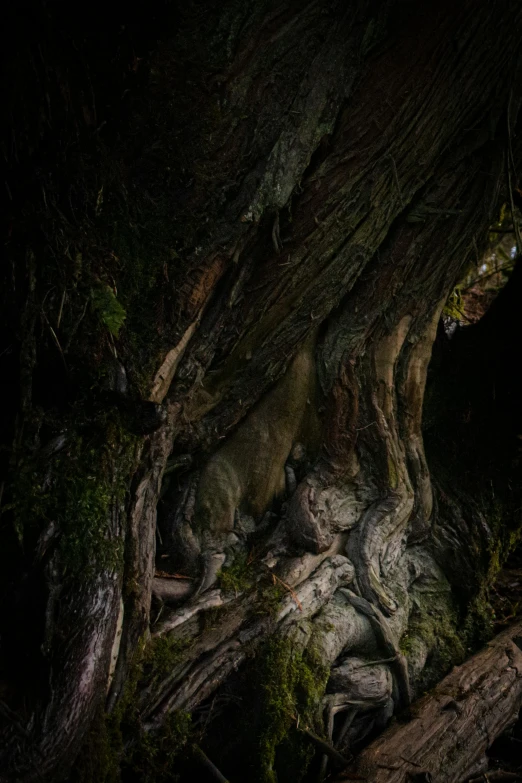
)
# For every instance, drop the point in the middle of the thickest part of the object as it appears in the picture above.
(75, 327)
(290, 590)
(209, 765)
(326, 748)
(8, 713)
(166, 575)
(360, 429)
(60, 311)
(496, 775)
(508, 267)
(510, 170)
(160, 612)
(504, 619)
(55, 338)
(374, 663)
(209, 715)
(346, 725)
(276, 240)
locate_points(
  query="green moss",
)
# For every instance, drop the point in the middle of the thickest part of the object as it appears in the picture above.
(99, 759)
(480, 620)
(212, 618)
(503, 542)
(270, 596)
(392, 474)
(151, 755)
(237, 577)
(292, 686)
(77, 491)
(109, 310)
(242, 576)
(434, 623)
(161, 655)
(454, 307)
(478, 626)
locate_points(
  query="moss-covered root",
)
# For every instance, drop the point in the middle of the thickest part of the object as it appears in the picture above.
(292, 686)
(432, 643)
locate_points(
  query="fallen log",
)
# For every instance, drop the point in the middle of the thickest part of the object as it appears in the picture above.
(451, 727)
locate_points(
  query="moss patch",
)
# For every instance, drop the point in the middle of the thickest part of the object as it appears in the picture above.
(270, 596)
(434, 622)
(161, 655)
(292, 685)
(238, 577)
(255, 736)
(152, 755)
(77, 491)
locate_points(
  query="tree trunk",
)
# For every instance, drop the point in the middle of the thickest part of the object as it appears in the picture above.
(226, 273)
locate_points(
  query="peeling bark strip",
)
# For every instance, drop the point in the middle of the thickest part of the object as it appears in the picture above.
(452, 727)
(166, 372)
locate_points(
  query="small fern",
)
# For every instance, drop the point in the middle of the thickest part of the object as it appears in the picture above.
(111, 312)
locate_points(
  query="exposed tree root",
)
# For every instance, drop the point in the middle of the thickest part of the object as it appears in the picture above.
(451, 728)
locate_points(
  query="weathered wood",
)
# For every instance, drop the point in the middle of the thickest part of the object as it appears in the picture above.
(452, 726)
(304, 182)
(190, 684)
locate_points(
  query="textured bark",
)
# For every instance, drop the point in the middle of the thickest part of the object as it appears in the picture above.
(452, 727)
(306, 202)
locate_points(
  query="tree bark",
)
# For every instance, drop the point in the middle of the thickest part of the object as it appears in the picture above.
(451, 728)
(223, 308)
